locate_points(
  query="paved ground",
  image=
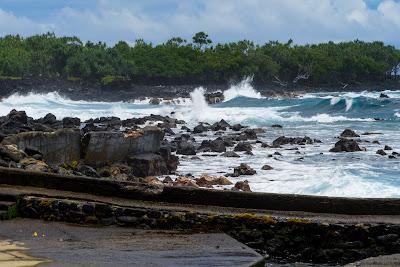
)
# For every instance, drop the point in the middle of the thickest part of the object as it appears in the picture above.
(26, 242)
(387, 261)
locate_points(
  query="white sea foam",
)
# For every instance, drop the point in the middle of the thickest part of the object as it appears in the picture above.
(244, 88)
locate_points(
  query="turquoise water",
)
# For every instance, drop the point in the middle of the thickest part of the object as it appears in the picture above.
(320, 115)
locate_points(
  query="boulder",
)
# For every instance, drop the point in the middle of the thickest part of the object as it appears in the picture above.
(345, 145)
(242, 186)
(170, 160)
(217, 145)
(387, 148)
(185, 181)
(267, 168)
(154, 101)
(61, 146)
(244, 169)
(152, 180)
(283, 140)
(230, 154)
(250, 134)
(69, 122)
(200, 129)
(220, 126)
(185, 128)
(382, 95)
(243, 146)
(348, 133)
(144, 165)
(49, 119)
(11, 152)
(87, 170)
(18, 116)
(209, 181)
(118, 172)
(32, 164)
(381, 152)
(213, 98)
(237, 127)
(100, 148)
(185, 148)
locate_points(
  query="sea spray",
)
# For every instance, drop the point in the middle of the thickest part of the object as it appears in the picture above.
(244, 88)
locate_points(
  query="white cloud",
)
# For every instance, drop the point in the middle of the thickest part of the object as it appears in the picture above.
(11, 24)
(305, 21)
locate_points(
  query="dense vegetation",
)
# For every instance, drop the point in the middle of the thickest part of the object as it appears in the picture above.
(180, 62)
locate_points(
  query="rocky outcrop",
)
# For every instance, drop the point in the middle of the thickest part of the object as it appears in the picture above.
(283, 140)
(209, 181)
(56, 147)
(345, 145)
(105, 147)
(144, 165)
(243, 146)
(244, 169)
(213, 98)
(348, 133)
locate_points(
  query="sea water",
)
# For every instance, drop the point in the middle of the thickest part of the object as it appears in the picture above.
(313, 171)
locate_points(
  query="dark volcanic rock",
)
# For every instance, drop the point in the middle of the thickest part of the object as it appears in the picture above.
(381, 152)
(244, 169)
(171, 161)
(349, 133)
(282, 140)
(18, 116)
(69, 122)
(242, 186)
(200, 128)
(185, 148)
(213, 98)
(267, 168)
(243, 146)
(217, 145)
(49, 119)
(276, 126)
(88, 171)
(154, 101)
(344, 145)
(387, 148)
(382, 95)
(237, 127)
(147, 165)
(230, 154)
(220, 126)
(250, 134)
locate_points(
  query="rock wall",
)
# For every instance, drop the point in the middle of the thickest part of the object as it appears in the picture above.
(57, 147)
(282, 239)
(104, 147)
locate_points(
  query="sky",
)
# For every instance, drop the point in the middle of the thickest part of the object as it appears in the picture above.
(156, 21)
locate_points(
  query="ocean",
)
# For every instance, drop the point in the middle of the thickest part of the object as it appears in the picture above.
(311, 170)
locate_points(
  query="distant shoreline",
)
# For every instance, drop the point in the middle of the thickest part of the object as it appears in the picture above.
(126, 91)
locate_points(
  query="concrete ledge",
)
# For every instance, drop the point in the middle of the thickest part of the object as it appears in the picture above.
(265, 201)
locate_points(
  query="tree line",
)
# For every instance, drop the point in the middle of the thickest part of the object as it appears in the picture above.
(199, 61)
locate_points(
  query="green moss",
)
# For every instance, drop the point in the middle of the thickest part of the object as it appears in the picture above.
(45, 203)
(109, 79)
(298, 221)
(254, 218)
(70, 166)
(12, 212)
(73, 79)
(10, 78)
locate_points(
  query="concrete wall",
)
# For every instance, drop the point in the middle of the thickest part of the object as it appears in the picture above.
(57, 147)
(188, 195)
(102, 147)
